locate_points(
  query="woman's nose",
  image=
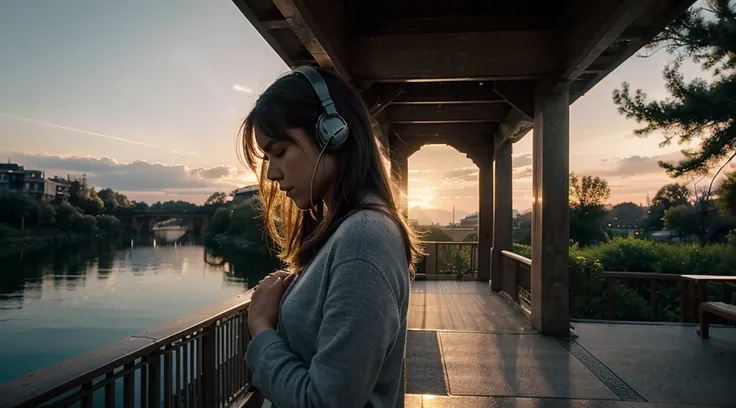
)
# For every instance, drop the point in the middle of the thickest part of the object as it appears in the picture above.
(273, 173)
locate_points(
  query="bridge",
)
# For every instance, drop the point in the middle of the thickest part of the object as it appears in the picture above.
(145, 220)
(477, 76)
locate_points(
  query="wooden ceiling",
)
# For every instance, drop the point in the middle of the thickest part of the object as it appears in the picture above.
(462, 70)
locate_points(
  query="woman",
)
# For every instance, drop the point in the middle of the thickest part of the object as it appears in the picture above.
(332, 331)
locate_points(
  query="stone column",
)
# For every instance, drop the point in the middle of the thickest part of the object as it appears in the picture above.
(485, 218)
(550, 218)
(502, 220)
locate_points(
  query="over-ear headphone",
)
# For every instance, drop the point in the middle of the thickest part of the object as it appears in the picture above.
(332, 129)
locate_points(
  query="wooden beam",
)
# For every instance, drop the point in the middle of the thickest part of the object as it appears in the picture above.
(655, 18)
(378, 98)
(457, 92)
(321, 26)
(594, 29)
(519, 94)
(490, 55)
(453, 24)
(275, 24)
(475, 132)
(263, 30)
(452, 113)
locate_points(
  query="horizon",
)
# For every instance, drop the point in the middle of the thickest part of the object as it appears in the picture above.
(153, 112)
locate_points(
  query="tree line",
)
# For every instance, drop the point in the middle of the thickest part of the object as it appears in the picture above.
(85, 210)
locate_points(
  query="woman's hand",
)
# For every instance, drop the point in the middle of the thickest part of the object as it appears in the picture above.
(281, 273)
(264, 305)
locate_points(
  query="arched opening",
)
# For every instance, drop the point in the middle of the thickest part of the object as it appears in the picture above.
(442, 186)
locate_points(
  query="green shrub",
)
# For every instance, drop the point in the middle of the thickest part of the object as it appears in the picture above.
(108, 223)
(589, 291)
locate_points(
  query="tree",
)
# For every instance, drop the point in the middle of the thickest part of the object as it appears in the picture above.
(433, 233)
(587, 212)
(626, 215)
(727, 195)
(18, 210)
(670, 195)
(588, 191)
(46, 215)
(64, 213)
(698, 109)
(216, 199)
(109, 200)
(682, 220)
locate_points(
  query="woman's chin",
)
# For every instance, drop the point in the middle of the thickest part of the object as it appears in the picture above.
(300, 203)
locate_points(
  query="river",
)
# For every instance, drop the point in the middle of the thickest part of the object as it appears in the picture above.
(60, 301)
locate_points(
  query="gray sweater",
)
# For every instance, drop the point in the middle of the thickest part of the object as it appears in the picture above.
(342, 326)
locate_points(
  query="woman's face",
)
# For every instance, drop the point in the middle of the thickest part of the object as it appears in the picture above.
(291, 164)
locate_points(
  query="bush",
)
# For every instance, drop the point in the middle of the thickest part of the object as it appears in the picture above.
(588, 288)
(6, 231)
(83, 224)
(108, 223)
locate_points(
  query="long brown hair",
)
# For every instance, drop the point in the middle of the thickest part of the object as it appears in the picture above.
(291, 103)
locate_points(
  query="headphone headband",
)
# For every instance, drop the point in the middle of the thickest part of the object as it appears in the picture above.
(332, 129)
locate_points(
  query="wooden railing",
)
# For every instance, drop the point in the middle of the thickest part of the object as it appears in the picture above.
(657, 285)
(449, 260)
(194, 361)
(516, 279)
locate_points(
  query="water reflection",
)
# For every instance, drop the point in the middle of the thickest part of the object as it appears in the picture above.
(70, 298)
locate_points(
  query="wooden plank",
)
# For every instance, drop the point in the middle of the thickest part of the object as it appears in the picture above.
(379, 98)
(471, 131)
(650, 23)
(594, 29)
(453, 24)
(453, 113)
(321, 26)
(519, 94)
(456, 92)
(494, 55)
(255, 21)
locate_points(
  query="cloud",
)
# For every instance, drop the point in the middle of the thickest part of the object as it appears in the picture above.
(522, 173)
(463, 173)
(638, 165)
(521, 160)
(241, 88)
(139, 175)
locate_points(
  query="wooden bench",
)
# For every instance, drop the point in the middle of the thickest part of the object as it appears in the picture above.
(714, 308)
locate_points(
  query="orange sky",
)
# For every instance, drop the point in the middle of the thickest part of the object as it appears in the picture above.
(154, 111)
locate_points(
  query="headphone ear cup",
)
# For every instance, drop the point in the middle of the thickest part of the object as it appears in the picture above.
(332, 130)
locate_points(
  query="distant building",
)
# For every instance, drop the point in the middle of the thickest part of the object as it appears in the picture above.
(245, 193)
(15, 178)
(63, 184)
(471, 221)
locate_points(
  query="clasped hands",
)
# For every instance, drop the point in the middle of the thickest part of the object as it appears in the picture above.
(264, 304)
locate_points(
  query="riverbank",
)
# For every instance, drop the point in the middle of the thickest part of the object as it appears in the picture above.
(12, 240)
(231, 241)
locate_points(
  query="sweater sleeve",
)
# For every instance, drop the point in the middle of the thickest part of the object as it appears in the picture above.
(359, 326)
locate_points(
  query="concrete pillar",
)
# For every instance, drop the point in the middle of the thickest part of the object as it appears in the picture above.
(485, 219)
(502, 205)
(550, 218)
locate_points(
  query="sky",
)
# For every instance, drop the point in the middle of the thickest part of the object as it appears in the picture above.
(146, 97)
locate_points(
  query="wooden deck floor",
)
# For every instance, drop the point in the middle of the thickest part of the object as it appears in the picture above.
(468, 347)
